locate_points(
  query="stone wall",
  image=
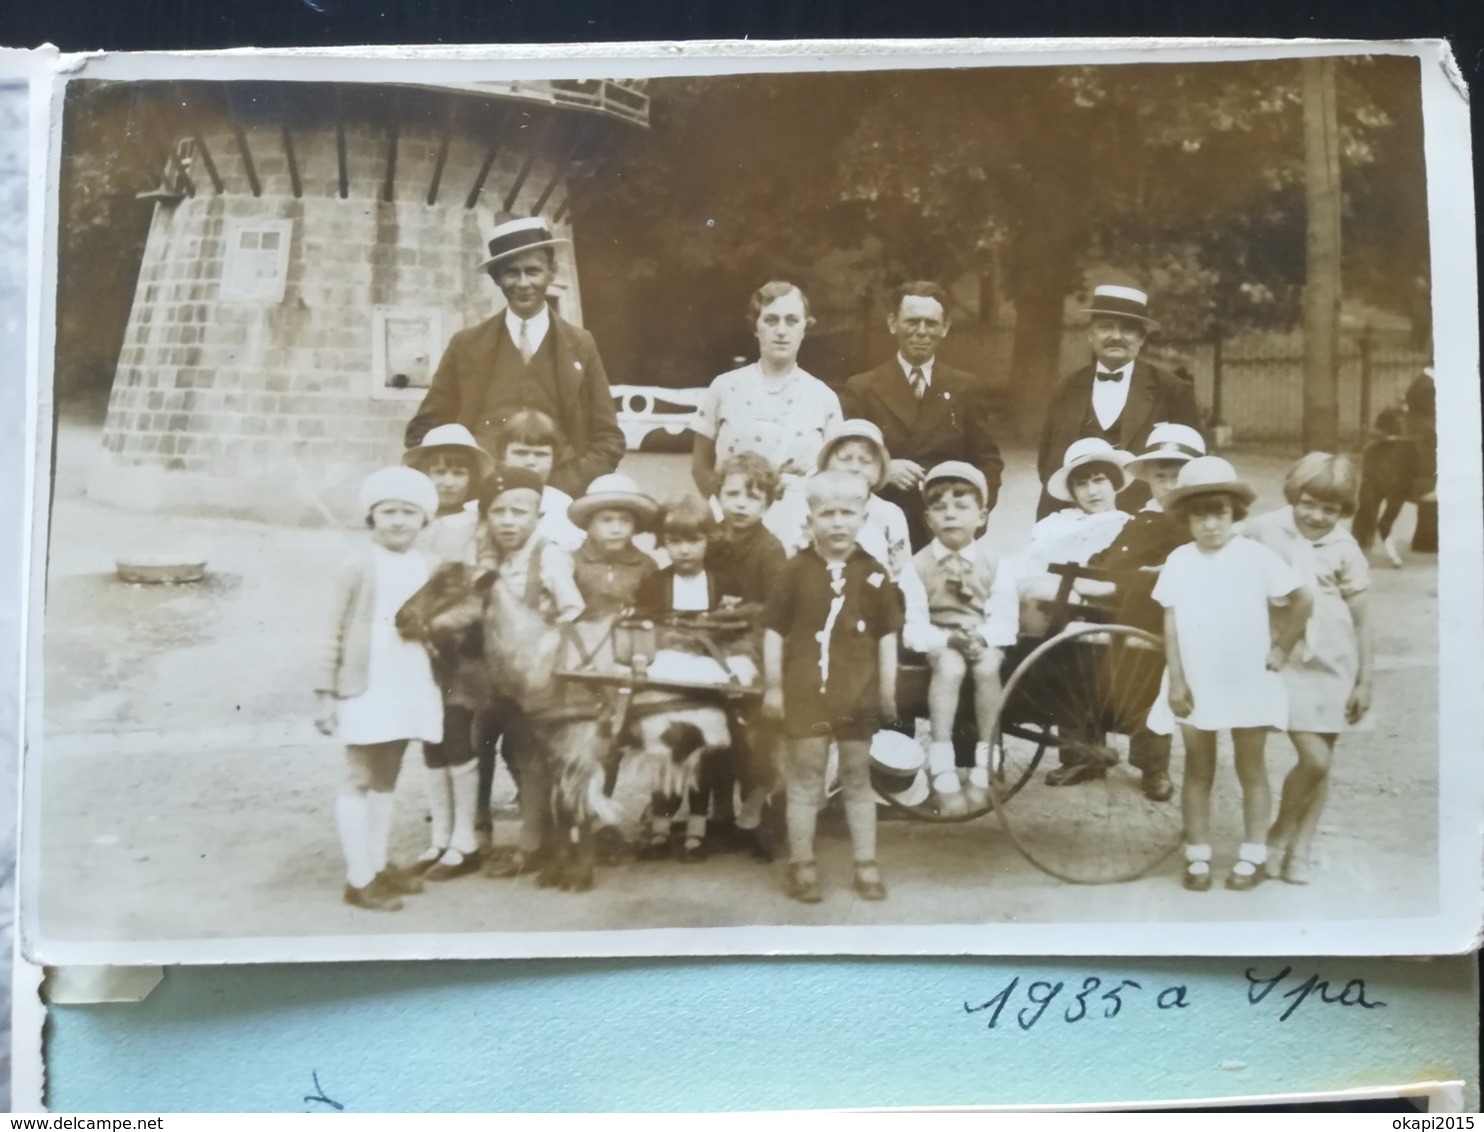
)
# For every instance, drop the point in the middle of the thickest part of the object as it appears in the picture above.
(264, 409)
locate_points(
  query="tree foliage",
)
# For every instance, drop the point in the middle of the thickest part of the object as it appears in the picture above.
(1185, 178)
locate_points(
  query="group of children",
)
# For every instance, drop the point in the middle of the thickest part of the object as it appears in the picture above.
(825, 574)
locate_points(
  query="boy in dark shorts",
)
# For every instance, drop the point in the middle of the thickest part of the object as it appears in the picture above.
(830, 672)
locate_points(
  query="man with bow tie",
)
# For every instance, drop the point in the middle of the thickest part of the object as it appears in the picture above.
(1118, 398)
(527, 357)
(928, 412)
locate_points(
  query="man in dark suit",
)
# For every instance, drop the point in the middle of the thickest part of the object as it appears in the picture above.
(1118, 398)
(526, 357)
(927, 412)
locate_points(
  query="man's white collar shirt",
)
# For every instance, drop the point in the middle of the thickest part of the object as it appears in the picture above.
(536, 327)
(908, 367)
(1109, 397)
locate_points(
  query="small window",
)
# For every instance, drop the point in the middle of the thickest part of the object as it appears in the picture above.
(184, 161)
(257, 264)
(406, 343)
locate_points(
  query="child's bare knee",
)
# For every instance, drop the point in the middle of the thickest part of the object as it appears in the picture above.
(948, 665)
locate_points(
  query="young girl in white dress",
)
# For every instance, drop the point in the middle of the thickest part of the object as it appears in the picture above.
(376, 691)
(1223, 650)
(1329, 675)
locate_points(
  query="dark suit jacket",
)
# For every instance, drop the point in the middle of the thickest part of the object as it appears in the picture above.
(589, 424)
(1155, 396)
(950, 423)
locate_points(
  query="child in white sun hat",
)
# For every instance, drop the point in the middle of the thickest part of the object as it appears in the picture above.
(457, 465)
(375, 691)
(1224, 649)
(1089, 480)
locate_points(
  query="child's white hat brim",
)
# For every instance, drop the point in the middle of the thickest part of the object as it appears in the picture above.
(1056, 483)
(450, 438)
(856, 429)
(613, 491)
(399, 484)
(1209, 475)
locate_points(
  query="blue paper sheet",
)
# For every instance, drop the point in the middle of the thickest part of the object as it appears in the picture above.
(708, 1035)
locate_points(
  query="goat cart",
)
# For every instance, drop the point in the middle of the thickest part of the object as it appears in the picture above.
(1078, 693)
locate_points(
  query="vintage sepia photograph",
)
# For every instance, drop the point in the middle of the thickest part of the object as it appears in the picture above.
(866, 503)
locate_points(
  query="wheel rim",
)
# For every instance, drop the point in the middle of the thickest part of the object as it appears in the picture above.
(1080, 693)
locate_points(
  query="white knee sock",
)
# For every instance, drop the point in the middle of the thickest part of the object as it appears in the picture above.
(440, 805)
(941, 767)
(979, 774)
(464, 784)
(352, 822)
(379, 828)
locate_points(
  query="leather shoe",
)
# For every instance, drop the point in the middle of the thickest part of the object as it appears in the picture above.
(440, 871)
(397, 882)
(803, 884)
(1157, 786)
(1069, 774)
(868, 884)
(372, 898)
(1197, 882)
(951, 804)
(1246, 882)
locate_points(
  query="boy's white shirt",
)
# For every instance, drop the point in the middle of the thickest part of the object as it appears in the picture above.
(553, 524)
(1001, 622)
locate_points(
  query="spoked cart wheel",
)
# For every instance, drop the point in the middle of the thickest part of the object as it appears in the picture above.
(1078, 697)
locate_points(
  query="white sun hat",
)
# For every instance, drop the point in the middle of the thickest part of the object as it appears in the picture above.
(399, 484)
(1089, 450)
(1209, 475)
(1176, 442)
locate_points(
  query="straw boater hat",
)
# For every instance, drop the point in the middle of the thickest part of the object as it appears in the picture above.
(1209, 475)
(449, 438)
(958, 470)
(516, 236)
(1111, 301)
(856, 430)
(898, 767)
(1169, 442)
(1089, 450)
(617, 491)
(399, 484)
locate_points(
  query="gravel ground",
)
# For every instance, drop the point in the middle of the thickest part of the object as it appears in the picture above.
(185, 794)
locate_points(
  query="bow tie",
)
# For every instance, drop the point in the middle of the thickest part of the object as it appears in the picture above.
(1110, 375)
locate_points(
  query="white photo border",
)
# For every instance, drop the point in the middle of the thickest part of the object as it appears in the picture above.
(1456, 926)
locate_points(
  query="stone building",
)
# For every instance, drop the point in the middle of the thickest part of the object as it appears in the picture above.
(312, 249)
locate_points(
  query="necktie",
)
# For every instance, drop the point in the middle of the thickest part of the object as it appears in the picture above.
(1110, 375)
(955, 568)
(919, 381)
(523, 344)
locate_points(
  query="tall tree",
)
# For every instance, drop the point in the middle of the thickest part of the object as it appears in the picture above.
(1321, 428)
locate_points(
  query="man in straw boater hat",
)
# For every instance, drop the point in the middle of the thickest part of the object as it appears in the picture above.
(1118, 398)
(526, 357)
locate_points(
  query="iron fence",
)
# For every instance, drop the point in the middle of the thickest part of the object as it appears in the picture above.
(1253, 383)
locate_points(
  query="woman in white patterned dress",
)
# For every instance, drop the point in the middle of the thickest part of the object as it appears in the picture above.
(771, 407)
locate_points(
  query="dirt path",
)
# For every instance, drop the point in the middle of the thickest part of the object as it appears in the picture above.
(185, 794)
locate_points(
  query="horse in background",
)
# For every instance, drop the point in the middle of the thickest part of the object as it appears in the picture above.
(1389, 472)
